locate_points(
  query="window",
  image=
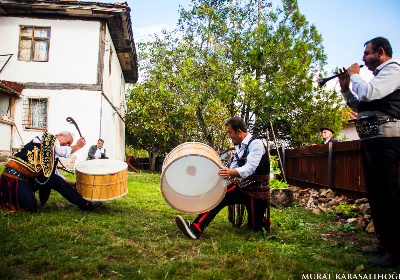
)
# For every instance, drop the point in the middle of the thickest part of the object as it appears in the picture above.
(35, 113)
(34, 43)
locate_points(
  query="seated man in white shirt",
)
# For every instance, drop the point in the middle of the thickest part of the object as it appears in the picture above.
(251, 169)
(97, 151)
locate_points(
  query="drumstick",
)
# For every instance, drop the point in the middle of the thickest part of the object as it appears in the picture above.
(209, 187)
(211, 184)
(71, 120)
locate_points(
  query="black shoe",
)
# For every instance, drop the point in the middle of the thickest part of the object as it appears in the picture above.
(185, 227)
(374, 251)
(384, 261)
(89, 206)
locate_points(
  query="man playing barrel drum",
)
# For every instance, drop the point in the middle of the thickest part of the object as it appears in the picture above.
(34, 168)
(251, 169)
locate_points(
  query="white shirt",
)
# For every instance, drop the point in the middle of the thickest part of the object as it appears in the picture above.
(380, 86)
(386, 80)
(60, 151)
(99, 152)
(256, 151)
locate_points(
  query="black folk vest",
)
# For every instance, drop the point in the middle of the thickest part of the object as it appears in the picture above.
(390, 104)
(263, 167)
(38, 157)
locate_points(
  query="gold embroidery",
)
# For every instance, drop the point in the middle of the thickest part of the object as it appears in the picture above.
(42, 159)
(47, 153)
(33, 158)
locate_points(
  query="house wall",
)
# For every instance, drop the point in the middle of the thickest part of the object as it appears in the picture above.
(349, 131)
(73, 52)
(5, 138)
(114, 92)
(83, 106)
(73, 60)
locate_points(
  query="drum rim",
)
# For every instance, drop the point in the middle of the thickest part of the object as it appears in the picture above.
(166, 157)
(116, 172)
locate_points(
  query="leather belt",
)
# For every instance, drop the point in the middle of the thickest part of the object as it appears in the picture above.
(16, 174)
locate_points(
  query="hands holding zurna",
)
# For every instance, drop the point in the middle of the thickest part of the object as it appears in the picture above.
(344, 80)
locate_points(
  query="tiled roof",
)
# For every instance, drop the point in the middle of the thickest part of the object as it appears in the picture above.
(12, 88)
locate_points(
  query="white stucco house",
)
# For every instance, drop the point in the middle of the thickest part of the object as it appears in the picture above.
(349, 132)
(72, 59)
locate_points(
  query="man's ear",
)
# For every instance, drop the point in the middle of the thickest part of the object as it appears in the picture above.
(381, 51)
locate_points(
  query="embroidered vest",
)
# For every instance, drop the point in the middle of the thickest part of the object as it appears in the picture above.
(38, 157)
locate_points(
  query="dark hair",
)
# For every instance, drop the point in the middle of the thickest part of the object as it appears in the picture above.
(378, 42)
(236, 123)
(102, 141)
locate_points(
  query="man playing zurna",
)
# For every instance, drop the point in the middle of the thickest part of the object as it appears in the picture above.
(34, 168)
(251, 167)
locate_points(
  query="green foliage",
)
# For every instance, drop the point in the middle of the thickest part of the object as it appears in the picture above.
(348, 209)
(276, 184)
(130, 151)
(274, 163)
(341, 227)
(224, 59)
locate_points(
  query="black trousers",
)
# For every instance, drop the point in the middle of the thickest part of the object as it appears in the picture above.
(24, 195)
(381, 171)
(255, 208)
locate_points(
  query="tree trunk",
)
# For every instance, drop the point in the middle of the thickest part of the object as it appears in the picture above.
(203, 126)
(152, 159)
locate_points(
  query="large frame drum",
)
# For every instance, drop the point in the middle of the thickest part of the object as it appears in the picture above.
(102, 179)
(189, 180)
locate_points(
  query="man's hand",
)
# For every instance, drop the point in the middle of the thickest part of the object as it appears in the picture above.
(79, 144)
(344, 81)
(353, 69)
(226, 173)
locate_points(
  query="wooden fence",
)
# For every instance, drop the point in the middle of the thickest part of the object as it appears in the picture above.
(335, 166)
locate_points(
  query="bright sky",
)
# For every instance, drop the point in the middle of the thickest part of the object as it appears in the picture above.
(345, 25)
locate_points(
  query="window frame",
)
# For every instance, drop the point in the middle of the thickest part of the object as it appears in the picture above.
(27, 107)
(33, 41)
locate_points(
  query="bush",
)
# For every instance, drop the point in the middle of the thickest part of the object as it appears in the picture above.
(276, 184)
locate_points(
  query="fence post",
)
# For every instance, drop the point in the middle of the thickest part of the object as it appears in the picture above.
(330, 166)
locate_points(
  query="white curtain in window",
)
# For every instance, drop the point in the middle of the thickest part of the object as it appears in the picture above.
(41, 50)
(43, 33)
(38, 116)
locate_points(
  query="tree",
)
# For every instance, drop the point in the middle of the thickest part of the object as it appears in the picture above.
(157, 119)
(264, 65)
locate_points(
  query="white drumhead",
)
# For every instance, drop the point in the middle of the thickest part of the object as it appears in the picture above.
(191, 184)
(192, 175)
(101, 166)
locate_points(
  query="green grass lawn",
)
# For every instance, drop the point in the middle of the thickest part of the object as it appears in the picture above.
(135, 237)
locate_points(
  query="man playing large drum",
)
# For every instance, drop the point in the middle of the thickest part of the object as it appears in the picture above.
(251, 167)
(34, 168)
